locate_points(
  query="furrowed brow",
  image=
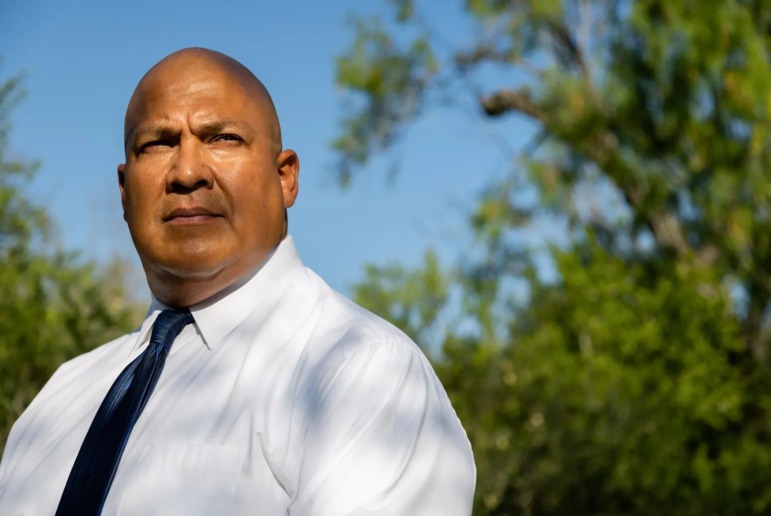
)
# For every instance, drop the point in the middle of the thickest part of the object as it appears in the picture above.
(154, 133)
(223, 125)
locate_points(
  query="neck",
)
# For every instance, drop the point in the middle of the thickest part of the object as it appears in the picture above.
(184, 289)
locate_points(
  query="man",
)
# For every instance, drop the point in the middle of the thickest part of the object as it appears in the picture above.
(278, 396)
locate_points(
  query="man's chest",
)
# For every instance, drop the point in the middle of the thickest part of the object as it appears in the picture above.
(200, 446)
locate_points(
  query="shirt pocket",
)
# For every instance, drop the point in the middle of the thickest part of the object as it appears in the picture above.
(195, 479)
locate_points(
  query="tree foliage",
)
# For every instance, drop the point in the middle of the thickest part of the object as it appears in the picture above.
(52, 305)
(636, 382)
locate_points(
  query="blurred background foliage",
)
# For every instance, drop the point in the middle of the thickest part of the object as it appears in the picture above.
(634, 377)
(53, 306)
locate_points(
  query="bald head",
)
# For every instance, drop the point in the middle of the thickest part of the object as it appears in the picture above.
(182, 67)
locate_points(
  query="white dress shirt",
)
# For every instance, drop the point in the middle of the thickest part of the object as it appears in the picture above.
(283, 398)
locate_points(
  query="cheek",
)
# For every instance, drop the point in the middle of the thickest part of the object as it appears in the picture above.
(252, 189)
(266, 197)
(140, 193)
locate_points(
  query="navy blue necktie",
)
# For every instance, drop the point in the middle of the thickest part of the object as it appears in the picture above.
(98, 458)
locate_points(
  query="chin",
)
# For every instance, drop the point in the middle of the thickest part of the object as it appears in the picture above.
(186, 265)
(200, 270)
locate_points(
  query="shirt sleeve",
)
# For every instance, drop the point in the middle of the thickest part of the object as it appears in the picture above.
(383, 439)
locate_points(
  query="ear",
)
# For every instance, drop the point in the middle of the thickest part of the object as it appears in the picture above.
(121, 185)
(288, 166)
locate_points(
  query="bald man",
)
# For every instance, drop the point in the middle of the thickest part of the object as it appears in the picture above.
(251, 387)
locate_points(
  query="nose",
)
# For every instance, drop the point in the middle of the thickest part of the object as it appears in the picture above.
(190, 170)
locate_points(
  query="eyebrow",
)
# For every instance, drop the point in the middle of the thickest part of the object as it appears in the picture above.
(150, 133)
(221, 125)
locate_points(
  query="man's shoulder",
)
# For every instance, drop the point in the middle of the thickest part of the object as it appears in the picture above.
(80, 368)
(347, 323)
(308, 313)
(348, 337)
(95, 356)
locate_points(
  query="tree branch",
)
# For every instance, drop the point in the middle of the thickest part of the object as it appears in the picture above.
(501, 102)
(569, 50)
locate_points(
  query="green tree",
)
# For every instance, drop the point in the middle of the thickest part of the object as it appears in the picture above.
(52, 305)
(637, 381)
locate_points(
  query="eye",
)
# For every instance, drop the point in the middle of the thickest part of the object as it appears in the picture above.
(156, 145)
(227, 138)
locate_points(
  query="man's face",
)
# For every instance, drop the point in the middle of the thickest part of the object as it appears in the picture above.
(205, 186)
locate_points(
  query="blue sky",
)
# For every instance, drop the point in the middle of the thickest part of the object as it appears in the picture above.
(82, 60)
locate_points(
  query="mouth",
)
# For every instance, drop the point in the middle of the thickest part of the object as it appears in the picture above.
(191, 216)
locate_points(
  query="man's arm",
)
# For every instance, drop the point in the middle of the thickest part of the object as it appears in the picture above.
(382, 439)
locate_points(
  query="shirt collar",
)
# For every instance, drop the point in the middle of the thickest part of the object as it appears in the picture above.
(219, 315)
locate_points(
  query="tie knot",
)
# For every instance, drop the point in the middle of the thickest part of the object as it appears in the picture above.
(168, 325)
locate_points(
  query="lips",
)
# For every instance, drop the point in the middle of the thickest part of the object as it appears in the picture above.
(191, 215)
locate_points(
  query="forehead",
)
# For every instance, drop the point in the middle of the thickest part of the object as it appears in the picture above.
(192, 93)
(191, 89)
